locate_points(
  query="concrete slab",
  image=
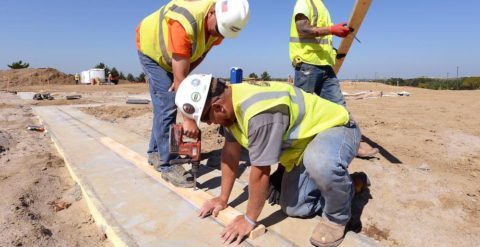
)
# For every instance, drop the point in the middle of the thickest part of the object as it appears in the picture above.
(139, 96)
(26, 95)
(138, 209)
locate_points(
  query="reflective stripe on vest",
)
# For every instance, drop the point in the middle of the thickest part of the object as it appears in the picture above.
(320, 41)
(297, 99)
(315, 12)
(191, 20)
(163, 46)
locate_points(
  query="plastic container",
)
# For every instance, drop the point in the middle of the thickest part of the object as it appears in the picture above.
(236, 75)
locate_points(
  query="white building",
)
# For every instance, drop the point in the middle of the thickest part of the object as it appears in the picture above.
(87, 77)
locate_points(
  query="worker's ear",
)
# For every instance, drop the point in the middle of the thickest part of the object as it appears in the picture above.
(218, 108)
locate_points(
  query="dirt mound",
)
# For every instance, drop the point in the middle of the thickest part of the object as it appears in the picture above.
(28, 77)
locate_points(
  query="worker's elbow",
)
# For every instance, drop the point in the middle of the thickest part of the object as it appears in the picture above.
(261, 170)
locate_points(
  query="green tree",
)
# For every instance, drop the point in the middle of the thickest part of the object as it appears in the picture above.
(19, 65)
(100, 66)
(103, 66)
(130, 77)
(114, 72)
(265, 76)
(141, 77)
(253, 75)
(121, 76)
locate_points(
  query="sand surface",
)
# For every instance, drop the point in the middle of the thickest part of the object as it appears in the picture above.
(40, 205)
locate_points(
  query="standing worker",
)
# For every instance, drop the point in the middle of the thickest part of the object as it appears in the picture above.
(110, 77)
(171, 43)
(77, 78)
(313, 56)
(312, 138)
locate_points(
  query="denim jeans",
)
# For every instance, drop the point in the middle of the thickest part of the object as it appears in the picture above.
(320, 80)
(321, 182)
(164, 109)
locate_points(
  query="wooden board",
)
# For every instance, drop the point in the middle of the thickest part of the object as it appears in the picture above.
(359, 11)
(194, 197)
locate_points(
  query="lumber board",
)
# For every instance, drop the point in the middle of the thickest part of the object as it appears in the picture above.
(358, 14)
(195, 197)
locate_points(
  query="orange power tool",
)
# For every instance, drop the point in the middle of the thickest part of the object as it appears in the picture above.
(189, 152)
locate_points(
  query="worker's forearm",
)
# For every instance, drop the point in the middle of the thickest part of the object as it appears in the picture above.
(180, 69)
(305, 30)
(230, 158)
(257, 190)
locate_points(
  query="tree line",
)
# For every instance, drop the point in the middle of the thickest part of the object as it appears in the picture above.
(265, 76)
(464, 83)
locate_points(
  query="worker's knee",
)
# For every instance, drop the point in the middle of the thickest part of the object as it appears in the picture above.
(323, 170)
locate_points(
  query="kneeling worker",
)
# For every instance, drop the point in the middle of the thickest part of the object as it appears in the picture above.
(312, 138)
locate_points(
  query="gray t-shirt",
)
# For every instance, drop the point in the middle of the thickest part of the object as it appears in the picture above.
(265, 131)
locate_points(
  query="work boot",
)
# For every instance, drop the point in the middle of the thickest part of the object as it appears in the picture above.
(360, 181)
(366, 152)
(178, 176)
(154, 159)
(327, 234)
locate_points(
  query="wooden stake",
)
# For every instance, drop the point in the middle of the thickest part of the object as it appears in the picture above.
(359, 11)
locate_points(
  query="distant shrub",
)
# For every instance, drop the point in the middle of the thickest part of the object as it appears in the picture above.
(471, 83)
(19, 65)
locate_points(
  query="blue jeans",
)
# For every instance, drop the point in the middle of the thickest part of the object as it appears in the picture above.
(320, 80)
(164, 109)
(321, 183)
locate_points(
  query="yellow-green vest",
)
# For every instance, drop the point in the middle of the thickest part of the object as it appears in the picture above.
(309, 115)
(316, 51)
(153, 30)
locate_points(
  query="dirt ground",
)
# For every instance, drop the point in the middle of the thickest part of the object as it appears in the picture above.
(425, 182)
(40, 204)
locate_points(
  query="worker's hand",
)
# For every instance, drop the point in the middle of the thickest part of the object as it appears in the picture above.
(340, 30)
(275, 188)
(212, 206)
(173, 87)
(190, 128)
(237, 230)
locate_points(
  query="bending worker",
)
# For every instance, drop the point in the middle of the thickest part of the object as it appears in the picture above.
(313, 56)
(171, 43)
(313, 138)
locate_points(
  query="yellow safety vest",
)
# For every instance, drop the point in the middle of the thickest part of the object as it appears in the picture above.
(316, 51)
(309, 115)
(153, 35)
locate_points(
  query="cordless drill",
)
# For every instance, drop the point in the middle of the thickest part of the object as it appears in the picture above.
(189, 152)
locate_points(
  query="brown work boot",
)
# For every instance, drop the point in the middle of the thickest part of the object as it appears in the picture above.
(360, 181)
(178, 176)
(327, 234)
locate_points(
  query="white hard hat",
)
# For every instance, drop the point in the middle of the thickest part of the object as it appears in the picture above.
(192, 95)
(232, 16)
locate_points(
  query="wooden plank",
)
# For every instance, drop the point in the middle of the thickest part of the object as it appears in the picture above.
(359, 11)
(195, 197)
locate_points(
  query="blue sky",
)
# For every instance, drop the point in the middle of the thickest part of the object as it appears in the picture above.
(399, 38)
